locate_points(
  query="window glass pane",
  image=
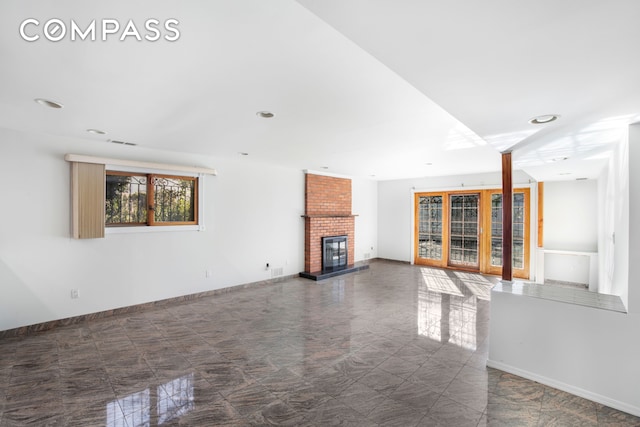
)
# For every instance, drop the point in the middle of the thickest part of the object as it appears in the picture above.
(456, 228)
(496, 252)
(470, 229)
(518, 230)
(430, 227)
(174, 199)
(126, 199)
(456, 214)
(518, 254)
(456, 255)
(496, 229)
(518, 200)
(464, 230)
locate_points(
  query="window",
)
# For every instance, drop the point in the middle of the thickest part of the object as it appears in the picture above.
(150, 199)
(121, 196)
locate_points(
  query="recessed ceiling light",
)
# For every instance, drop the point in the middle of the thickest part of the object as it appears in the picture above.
(545, 118)
(48, 103)
(265, 114)
(428, 164)
(96, 131)
(559, 159)
(564, 173)
(243, 153)
(581, 179)
(324, 167)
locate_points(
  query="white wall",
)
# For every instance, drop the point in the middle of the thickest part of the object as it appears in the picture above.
(395, 206)
(613, 197)
(589, 352)
(633, 275)
(605, 232)
(365, 205)
(252, 216)
(585, 351)
(571, 224)
(571, 215)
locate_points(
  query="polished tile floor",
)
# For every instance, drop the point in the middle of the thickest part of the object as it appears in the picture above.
(395, 345)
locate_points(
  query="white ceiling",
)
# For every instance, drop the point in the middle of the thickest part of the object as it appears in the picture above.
(359, 87)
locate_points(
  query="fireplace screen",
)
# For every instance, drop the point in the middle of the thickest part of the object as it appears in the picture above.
(334, 252)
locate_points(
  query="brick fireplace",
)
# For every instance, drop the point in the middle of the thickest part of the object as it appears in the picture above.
(327, 214)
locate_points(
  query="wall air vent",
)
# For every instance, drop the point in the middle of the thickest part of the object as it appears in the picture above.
(113, 141)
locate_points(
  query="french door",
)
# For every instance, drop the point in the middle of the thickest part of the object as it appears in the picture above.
(521, 233)
(463, 230)
(430, 244)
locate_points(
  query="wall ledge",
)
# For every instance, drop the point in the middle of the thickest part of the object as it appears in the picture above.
(561, 294)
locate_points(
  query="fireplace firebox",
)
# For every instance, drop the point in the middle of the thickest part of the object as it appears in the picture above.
(334, 253)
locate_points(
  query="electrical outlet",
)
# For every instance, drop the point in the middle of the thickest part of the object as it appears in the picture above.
(75, 294)
(207, 274)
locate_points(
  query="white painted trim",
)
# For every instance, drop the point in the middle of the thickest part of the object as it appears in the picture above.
(137, 164)
(334, 175)
(412, 222)
(533, 229)
(595, 397)
(153, 229)
(140, 170)
(562, 252)
(470, 188)
(201, 203)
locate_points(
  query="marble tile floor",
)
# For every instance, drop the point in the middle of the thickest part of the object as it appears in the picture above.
(394, 345)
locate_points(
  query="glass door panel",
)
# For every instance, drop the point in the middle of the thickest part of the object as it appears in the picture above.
(518, 231)
(520, 235)
(430, 227)
(496, 230)
(463, 231)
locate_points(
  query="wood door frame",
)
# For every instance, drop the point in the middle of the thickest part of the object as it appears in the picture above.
(484, 232)
(486, 242)
(416, 230)
(479, 234)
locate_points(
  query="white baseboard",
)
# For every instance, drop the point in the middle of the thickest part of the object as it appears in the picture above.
(595, 397)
